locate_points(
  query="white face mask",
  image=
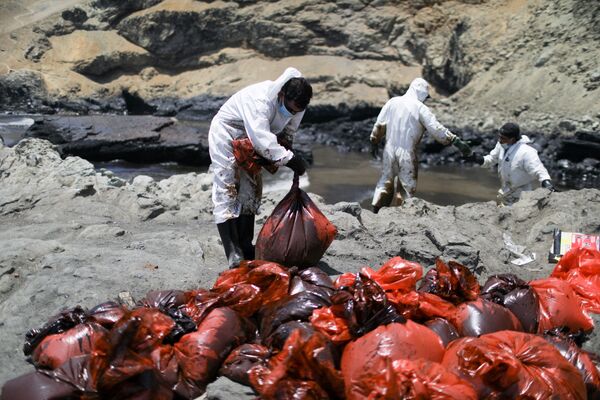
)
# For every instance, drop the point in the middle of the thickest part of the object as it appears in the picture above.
(505, 146)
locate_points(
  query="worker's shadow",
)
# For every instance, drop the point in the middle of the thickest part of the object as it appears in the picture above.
(327, 269)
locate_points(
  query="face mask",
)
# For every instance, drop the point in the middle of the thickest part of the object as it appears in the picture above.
(505, 146)
(284, 111)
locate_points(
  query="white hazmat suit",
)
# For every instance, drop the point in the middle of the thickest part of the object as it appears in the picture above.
(518, 167)
(403, 120)
(252, 112)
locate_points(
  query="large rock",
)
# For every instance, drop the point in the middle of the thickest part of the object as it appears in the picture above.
(174, 30)
(500, 60)
(97, 52)
(23, 89)
(131, 138)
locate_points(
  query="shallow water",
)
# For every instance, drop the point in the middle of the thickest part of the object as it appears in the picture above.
(13, 128)
(336, 176)
(351, 177)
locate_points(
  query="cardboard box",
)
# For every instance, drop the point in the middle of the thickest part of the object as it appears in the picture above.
(565, 241)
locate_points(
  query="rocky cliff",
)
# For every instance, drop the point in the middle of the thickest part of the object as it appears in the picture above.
(490, 60)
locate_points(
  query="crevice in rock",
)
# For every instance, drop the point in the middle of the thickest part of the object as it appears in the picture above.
(583, 145)
(86, 192)
(136, 105)
(453, 74)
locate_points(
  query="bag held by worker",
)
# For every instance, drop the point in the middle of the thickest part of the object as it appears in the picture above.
(248, 159)
(297, 233)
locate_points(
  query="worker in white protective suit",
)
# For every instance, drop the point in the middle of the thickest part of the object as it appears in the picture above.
(262, 112)
(403, 121)
(519, 165)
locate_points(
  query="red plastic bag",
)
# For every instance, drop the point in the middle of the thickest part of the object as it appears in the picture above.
(514, 365)
(397, 274)
(445, 330)
(453, 282)
(412, 380)
(356, 310)
(297, 233)
(165, 364)
(421, 306)
(335, 327)
(481, 316)
(57, 349)
(123, 361)
(303, 369)
(368, 358)
(312, 279)
(516, 295)
(581, 360)
(247, 158)
(37, 386)
(581, 268)
(297, 307)
(559, 305)
(59, 323)
(243, 358)
(106, 314)
(277, 338)
(201, 353)
(244, 289)
(270, 278)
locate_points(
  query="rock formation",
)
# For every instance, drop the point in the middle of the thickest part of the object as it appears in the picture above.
(488, 59)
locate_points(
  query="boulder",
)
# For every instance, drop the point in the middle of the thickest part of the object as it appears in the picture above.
(131, 138)
(96, 53)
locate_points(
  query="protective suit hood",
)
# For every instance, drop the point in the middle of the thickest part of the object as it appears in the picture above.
(418, 88)
(525, 139)
(278, 83)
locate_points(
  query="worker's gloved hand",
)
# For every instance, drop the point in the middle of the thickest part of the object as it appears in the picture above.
(476, 158)
(297, 164)
(375, 151)
(548, 185)
(464, 148)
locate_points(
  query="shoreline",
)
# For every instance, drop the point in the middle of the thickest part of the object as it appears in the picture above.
(571, 160)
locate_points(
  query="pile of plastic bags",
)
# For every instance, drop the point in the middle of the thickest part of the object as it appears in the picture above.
(393, 332)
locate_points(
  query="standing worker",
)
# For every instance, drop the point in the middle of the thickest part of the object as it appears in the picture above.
(404, 119)
(259, 112)
(518, 164)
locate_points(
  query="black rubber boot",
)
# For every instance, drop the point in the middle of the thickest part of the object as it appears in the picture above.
(246, 234)
(228, 231)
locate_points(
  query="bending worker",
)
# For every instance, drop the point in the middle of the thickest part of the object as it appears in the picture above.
(518, 164)
(404, 119)
(259, 112)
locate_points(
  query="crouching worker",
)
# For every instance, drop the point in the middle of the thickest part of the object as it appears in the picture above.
(261, 112)
(519, 165)
(404, 120)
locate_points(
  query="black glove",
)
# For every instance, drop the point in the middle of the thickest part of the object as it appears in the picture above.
(464, 148)
(375, 151)
(297, 164)
(547, 184)
(476, 158)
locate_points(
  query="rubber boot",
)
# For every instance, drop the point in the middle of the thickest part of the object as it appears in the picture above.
(246, 234)
(228, 231)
